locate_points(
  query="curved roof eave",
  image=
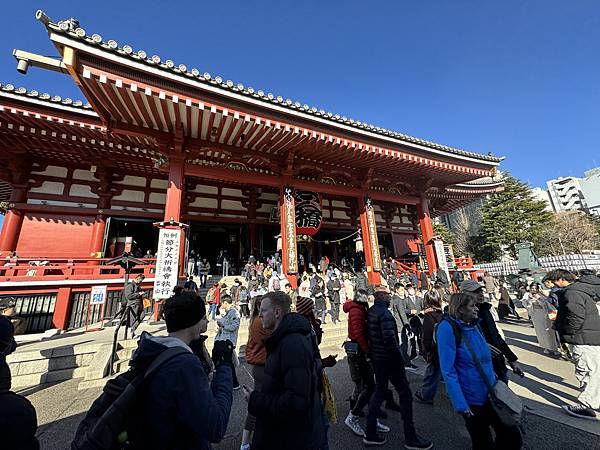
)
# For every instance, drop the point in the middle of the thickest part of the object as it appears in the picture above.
(64, 34)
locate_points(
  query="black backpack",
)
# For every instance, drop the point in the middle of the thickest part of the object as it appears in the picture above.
(106, 423)
(455, 329)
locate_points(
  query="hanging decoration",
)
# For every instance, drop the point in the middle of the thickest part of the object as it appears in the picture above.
(288, 231)
(308, 212)
(372, 230)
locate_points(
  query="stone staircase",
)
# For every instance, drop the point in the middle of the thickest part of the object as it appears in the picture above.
(97, 375)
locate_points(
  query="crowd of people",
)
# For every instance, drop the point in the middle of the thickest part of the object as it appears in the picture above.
(451, 323)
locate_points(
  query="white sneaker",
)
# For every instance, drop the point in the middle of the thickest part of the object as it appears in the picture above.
(245, 447)
(381, 428)
(352, 423)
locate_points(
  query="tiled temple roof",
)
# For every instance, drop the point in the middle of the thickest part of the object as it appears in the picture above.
(71, 28)
(52, 99)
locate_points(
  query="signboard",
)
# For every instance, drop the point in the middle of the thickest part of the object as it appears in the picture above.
(167, 263)
(373, 240)
(440, 255)
(449, 250)
(98, 295)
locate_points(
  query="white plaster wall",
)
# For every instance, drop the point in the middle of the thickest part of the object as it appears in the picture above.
(130, 196)
(82, 190)
(159, 184)
(158, 198)
(49, 187)
(131, 180)
(79, 174)
(54, 171)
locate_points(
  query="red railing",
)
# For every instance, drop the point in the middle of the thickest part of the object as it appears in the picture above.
(29, 269)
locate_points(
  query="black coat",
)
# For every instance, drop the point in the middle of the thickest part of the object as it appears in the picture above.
(382, 334)
(131, 295)
(288, 408)
(490, 331)
(577, 319)
(362, 284)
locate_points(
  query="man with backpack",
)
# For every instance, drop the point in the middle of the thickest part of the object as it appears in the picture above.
(165, 400)
(578, 325)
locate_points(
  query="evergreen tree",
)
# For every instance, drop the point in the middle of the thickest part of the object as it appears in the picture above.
(509, 217)
(441, 230)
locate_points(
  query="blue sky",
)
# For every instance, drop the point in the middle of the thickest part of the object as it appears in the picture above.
(518, 78)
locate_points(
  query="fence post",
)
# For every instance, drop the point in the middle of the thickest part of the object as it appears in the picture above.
(62, 308)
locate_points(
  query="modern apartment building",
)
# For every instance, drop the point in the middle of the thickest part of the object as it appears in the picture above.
(573, 193)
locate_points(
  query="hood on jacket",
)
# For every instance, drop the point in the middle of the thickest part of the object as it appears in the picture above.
(590, 284)
(353, 305)
(149, 347)
(292, 323)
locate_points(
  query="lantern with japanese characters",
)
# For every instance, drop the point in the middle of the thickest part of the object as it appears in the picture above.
(308, 212)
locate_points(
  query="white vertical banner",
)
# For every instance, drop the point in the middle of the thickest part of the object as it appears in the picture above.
(440, 255)
(167, 263)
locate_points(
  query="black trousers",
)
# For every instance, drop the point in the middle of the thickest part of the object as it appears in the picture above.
(391, 371)
(479, 427)
(361, 374)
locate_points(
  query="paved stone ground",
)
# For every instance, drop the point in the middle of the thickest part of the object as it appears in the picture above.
(549, 382)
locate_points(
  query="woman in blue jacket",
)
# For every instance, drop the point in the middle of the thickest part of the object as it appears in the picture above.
(466, 389)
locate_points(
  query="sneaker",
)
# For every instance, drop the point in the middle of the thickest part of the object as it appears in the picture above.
(245, 447)
(381, 428)
(411, 367)
(374, 440)
(235, 388)
(420, 399)
(352, 423)
(418, 443)
(583, 412)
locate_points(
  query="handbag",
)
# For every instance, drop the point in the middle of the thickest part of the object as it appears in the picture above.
(147, 303)
(505, 403)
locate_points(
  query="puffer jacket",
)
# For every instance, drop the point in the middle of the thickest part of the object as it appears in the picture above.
(464, 385)
(230, 328)
(382, 333)
(577, 320)
(357, 323)
(288, 407)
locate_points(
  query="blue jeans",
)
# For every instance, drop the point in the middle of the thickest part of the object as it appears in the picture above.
(431, 382)
(212, 310)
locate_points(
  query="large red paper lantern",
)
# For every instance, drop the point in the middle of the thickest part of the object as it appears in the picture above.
(308, 212)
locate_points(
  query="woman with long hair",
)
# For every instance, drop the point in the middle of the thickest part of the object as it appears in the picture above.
(540, 310)
(432, 316)
(465, 385)
(256, 356)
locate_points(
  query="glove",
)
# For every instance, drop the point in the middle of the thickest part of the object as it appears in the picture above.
(222, 352)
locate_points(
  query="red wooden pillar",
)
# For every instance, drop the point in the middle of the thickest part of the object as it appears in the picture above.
(62, 307)
(427, 233)
(13, 221)
(289, 248)
(173, 204)
(98, 230)
(370, 243)
(11, 228)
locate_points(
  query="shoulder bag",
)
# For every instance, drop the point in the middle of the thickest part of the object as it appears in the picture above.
(505, 403)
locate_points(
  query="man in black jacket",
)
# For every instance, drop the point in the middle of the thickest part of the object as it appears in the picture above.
(132, 298)
(388, 366)
(18, 419)
(288, 407)
(578, 325)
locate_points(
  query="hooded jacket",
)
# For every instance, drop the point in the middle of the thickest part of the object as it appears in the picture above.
(464, 385)
(577, 320)
(288, 407)
(357, 323)
(230, 328)
(178, 408)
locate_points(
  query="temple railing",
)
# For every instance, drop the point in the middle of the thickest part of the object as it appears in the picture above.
(57, 269)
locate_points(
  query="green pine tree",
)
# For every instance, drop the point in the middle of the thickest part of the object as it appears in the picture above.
(441, 230)
(509, 217)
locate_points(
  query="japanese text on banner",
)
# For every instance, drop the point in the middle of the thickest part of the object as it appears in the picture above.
(167, 261)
